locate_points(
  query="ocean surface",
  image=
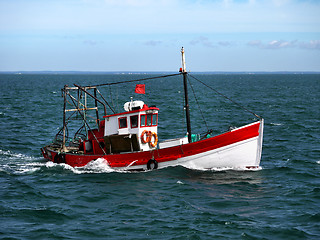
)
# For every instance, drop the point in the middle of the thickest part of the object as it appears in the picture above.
(281, 200)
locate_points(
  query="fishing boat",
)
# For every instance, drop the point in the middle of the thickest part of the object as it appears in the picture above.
(128, 140)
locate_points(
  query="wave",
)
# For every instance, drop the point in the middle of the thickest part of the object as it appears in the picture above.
(10, 154)
(97, 166)
(276, 124)
(18, 163)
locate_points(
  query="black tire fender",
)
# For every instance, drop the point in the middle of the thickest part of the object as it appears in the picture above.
(59, 158)
(152, 164)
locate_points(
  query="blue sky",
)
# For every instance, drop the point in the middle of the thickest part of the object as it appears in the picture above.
(146, 35)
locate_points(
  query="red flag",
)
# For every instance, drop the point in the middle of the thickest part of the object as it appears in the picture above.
(140, 88)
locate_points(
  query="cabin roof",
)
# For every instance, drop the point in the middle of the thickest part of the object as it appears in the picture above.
(145, 108)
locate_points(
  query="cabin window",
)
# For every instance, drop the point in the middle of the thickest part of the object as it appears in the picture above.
(154, 119)
(149, 117)
(134, 121)
(123, 122)
(143, 120)
(148, 120)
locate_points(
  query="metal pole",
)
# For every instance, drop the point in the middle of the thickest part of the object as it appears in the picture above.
(86, 123)
(185, 84)
(83, 89)
(96, 105)
(64, 119)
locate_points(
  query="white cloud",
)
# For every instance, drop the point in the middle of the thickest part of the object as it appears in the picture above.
(92, 42)
(280, 44)
(204, 41)
(153, 43)
(275, 44)
(226, 43)
(255, 43)
(313, 44)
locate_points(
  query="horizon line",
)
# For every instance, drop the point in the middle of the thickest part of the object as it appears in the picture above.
(151, 72)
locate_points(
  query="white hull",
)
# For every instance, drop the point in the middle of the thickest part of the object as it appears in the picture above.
(240, 155)
(244, 154)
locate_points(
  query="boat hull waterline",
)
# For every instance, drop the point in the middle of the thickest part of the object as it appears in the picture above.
(239, 148)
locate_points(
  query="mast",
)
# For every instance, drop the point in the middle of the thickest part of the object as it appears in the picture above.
(185, 84)
(63, 149)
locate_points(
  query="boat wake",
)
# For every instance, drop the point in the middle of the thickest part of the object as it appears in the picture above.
(99, 165)
(223, 169)
(21, 164)
(9, 155)
(18, 163)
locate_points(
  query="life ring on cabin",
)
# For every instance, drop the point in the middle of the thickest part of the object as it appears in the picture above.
(59, 158)
(153, 144)
(148, 136)
(152, 164)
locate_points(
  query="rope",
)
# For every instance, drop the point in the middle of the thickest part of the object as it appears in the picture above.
(227, 97)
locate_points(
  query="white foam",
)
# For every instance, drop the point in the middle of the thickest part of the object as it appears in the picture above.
(19, 163)
(64, 166)
(99, 165)
(50, 164)
(276, 124)
(11, 155)
(28, 167)
(221, 169)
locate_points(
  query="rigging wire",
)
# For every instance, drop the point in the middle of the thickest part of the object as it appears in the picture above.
(135, 80)
(226, 97)
(113, 106)
(106, 101)
(129, 81)
(194, 94)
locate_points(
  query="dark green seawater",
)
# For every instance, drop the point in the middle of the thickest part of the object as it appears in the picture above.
(40, 200)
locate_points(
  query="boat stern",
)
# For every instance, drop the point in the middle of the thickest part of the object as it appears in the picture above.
(240, 148)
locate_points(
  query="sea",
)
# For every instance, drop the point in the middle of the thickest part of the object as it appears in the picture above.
(279, 200)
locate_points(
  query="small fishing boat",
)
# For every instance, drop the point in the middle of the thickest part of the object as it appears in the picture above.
(128, 140)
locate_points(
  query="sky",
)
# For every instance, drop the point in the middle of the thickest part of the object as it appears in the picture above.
(147, 35)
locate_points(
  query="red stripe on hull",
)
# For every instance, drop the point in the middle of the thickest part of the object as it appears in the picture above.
(160, 155)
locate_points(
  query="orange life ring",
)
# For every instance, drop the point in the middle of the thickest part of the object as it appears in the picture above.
(147, 134)
(153, 144)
